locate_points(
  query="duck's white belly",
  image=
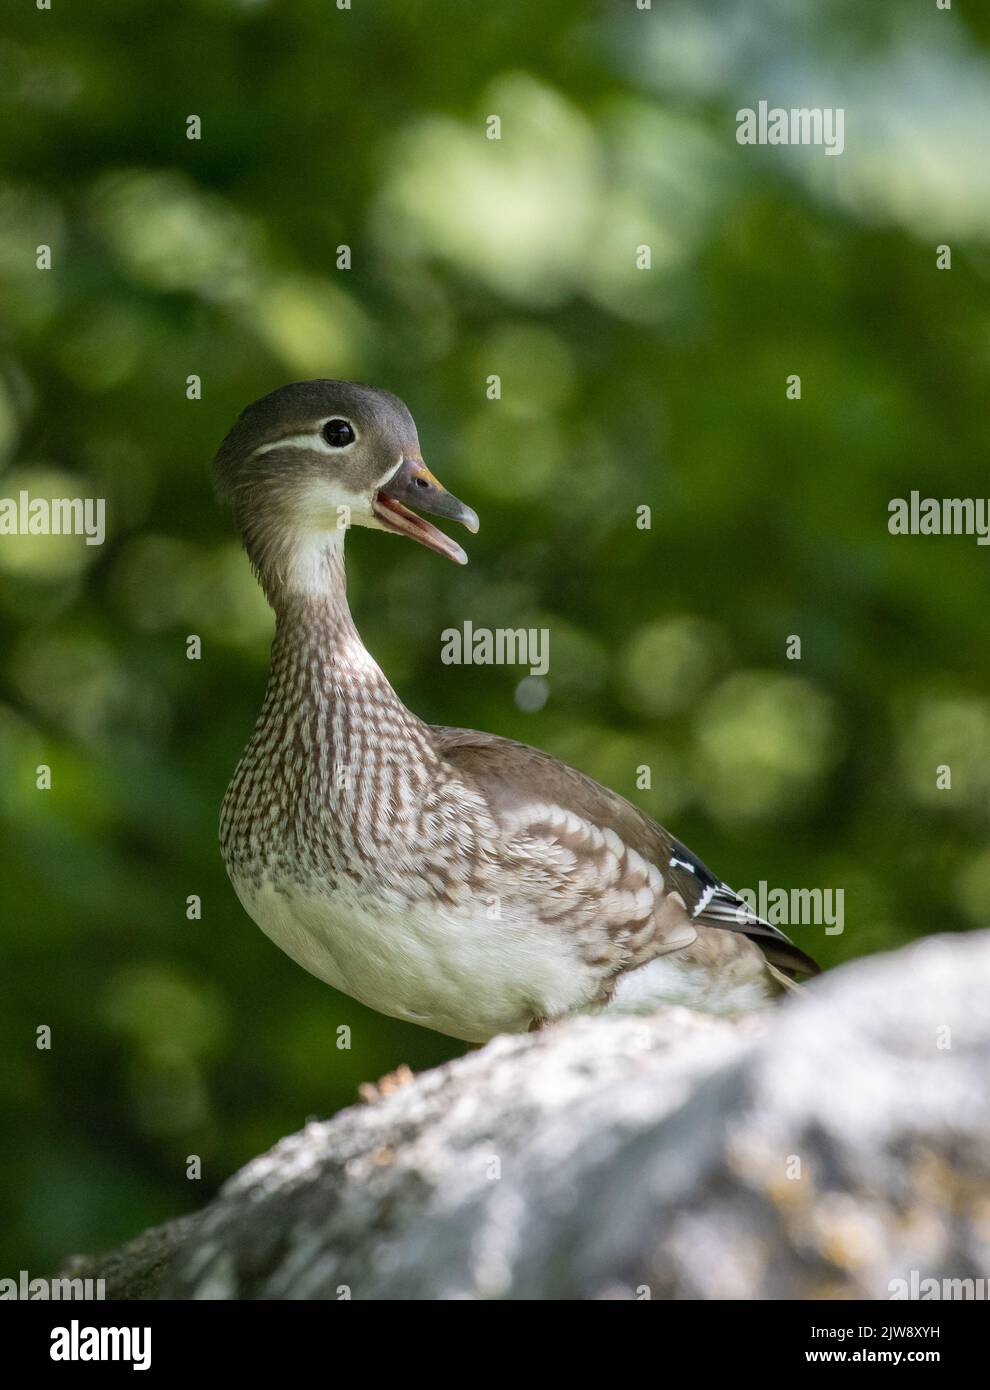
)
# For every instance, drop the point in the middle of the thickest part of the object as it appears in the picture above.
(458, 972)
(466, 975)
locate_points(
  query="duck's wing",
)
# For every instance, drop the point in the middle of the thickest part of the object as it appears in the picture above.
(637, 866)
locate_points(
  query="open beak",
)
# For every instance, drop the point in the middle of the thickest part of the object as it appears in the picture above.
(412, 483)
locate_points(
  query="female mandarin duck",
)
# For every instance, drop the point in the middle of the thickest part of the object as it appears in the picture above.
(456, 879)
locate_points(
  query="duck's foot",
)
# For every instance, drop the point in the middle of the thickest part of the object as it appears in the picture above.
(371, 1091)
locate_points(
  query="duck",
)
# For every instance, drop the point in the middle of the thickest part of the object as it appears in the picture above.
(464, 882)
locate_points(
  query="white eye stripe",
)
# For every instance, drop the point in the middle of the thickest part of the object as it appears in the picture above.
(298, 441)
(311, 441)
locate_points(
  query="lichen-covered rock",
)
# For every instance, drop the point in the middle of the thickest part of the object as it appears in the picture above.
(823, 1150)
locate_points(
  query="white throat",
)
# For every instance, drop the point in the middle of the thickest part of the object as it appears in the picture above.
(315, 564)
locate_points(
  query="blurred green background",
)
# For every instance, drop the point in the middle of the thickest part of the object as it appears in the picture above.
(621, 387)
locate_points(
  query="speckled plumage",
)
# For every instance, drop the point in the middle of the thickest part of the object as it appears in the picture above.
(460, 880)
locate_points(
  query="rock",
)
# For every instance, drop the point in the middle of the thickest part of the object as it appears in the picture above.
(820, 1150)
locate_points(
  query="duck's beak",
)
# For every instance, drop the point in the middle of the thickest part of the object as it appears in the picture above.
(413, 485)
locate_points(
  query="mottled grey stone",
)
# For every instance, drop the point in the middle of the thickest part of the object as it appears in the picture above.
(820, 1150)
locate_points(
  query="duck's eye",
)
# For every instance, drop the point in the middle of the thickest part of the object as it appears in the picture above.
(339, 433)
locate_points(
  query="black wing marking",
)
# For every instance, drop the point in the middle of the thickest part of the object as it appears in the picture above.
(713, 903)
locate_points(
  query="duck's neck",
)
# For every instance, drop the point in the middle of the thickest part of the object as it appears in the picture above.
(321, 668)
(312, 616)
(338, 771)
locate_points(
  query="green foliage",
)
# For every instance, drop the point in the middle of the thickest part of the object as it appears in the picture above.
(620, 388)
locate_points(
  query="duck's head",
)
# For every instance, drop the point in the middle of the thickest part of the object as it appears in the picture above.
(307, 461)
